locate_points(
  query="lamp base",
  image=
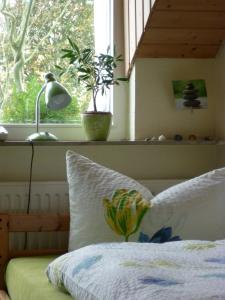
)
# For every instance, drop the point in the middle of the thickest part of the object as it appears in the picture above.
(42, 137)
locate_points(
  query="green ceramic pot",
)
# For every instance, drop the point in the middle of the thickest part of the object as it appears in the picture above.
(97, 125)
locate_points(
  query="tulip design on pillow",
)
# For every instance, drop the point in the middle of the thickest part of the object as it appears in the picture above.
(125, 211)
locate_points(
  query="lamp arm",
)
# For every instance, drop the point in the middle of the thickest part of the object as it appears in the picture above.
(37, 111)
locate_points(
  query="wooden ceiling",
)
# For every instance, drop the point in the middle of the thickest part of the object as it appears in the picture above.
(183, 28)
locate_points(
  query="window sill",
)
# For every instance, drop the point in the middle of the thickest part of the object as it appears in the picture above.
(112, 142)
(64, 132)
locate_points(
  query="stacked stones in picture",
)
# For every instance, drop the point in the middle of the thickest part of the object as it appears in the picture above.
(190, 94)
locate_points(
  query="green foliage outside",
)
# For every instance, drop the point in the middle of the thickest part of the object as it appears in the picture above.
(23, 63)
(21, 107)
(179, 86)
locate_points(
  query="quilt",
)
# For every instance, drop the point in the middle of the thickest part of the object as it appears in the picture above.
(174, 270)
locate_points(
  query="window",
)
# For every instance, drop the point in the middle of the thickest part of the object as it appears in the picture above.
(32, 34)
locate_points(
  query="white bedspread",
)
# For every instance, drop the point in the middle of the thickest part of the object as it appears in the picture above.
(141, 271)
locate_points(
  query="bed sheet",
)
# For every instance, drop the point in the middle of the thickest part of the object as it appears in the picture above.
(26, 279)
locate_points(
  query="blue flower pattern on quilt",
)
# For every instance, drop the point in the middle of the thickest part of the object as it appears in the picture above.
(216, 260)
(86, 264)
(158, 281)
(215, 275)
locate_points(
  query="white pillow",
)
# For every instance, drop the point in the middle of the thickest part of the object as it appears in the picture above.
(89, 183)
(195, 209)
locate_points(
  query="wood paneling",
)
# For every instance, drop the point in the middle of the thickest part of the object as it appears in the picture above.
(139, 19)
(28, 223)
(3, 296)
(146, 9)
(175, 28)
(4, 247)
(152, 3)
(126, 35)
(37, 252)
(38, 223)
(187, 19)
(188, 36)
(177, 51)
(132, 28)
(194, 5)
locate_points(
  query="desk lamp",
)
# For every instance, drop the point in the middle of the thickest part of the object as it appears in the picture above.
(56, 98)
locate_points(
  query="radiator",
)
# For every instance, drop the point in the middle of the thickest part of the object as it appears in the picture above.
(49, 197)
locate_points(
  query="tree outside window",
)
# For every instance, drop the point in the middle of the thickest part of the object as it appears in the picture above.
(32, 34)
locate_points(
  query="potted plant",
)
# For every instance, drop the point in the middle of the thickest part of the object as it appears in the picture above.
(96, 73)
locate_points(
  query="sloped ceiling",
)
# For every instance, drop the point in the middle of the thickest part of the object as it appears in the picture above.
(183, 28)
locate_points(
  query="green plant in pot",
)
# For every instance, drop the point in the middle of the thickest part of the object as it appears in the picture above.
(96, 73)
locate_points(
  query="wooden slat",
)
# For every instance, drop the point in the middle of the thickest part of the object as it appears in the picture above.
(147, 6)
(194, 5)
(153, 3)
(27, 223)
(189, 36)
(177, 28)
(177, 51)
(36, 252)
(4, 246)
(126, 35)
(38, 223)
(132, 28)
(187, 20)
(139, 19)
(4, 296)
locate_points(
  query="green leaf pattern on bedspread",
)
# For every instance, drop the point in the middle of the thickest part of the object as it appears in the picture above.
(151, 264)
(201, 246)
(191, 269)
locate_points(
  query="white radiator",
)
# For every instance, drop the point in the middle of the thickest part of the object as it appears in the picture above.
(48, 197)
(45, 197)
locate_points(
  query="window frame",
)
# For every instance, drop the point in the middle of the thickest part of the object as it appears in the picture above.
(73, 132)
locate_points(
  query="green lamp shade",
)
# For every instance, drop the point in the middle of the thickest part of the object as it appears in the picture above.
(56, 96)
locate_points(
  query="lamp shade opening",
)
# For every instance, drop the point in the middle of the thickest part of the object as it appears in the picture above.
(56, 96)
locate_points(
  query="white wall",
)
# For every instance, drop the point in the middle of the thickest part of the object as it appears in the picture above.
(152, 99)
(137, 161)
(220, 112)
(155, 104)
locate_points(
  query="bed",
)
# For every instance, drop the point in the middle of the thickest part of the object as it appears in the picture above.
(193, 208)
(23, 272)
(24, 277)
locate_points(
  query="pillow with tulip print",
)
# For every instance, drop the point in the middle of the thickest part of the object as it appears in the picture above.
(90, 183)
(125, 212)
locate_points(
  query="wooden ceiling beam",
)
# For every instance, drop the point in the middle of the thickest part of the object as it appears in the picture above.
(188, 36)
(177, 51)
(194, 5)
(187, 20)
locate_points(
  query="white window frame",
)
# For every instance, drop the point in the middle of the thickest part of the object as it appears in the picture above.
(69, 132)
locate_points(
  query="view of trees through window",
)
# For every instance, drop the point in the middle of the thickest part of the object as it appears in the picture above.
(32, 34)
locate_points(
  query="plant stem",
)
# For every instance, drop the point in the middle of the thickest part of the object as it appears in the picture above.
(94, 93)
(95, 107)
(94, 99)
(126, 238)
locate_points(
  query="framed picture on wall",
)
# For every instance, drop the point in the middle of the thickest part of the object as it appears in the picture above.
(190, 94)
